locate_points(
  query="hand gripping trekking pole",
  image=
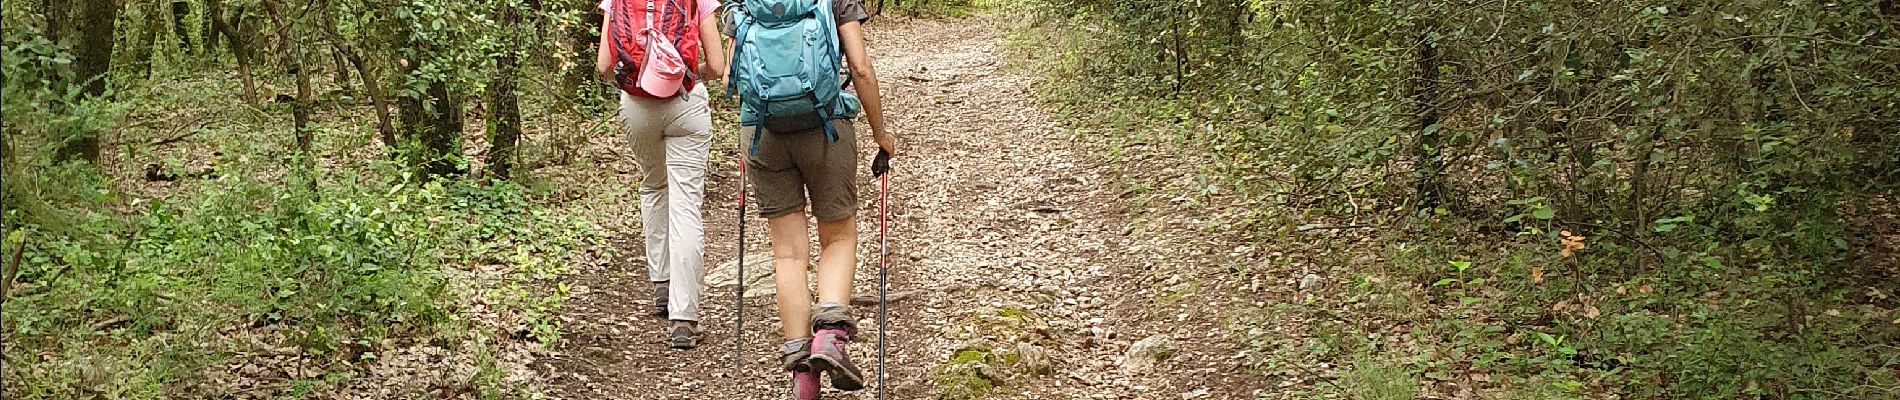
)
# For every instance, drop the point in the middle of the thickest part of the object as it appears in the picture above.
(881, 167)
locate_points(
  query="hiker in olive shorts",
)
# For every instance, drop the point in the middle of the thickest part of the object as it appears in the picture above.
(791, 172)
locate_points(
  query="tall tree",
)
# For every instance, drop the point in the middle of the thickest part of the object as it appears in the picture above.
(1428, 151)
(228, 28)
(351, 51)
(58, 15)
(504, 114)
(149, 25)
(438, 44)
(97, 22)
(180, 9)
(293, 61)
(92, 64)
(433, 119)
(577, 79)
(212, 18)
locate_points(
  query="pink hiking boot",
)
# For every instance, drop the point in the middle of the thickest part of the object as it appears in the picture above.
(828, 356)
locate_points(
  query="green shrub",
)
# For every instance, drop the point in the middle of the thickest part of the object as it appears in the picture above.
(1650, 199)
(337, 268)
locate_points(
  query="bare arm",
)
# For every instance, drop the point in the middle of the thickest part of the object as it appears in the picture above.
(604, 57)
(713, 67)
(864, 77)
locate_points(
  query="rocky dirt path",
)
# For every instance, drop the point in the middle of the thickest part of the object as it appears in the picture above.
(1026, 278)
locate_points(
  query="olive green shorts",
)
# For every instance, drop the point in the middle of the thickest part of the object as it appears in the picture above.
(795, 169)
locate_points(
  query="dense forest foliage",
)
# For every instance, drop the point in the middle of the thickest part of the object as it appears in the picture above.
(191, 184)
(1675, 199)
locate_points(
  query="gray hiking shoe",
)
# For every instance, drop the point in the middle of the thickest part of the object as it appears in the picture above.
(682, 338)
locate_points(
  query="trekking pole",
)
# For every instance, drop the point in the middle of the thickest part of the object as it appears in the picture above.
(738, 287)
(883, 266)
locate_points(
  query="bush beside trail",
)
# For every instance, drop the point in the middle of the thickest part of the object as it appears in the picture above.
(1535, 200)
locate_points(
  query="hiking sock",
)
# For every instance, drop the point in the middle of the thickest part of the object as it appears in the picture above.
(792, 357)
(792, 354)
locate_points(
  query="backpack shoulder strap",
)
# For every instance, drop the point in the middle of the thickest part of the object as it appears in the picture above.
(738, 45)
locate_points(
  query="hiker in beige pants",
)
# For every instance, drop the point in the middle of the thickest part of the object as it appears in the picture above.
(670, 139)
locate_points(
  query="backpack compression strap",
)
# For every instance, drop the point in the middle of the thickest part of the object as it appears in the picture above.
(732, 74)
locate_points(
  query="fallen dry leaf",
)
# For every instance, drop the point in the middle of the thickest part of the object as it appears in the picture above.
(1571, 244)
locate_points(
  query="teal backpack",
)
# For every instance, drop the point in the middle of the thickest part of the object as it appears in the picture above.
(786, 68)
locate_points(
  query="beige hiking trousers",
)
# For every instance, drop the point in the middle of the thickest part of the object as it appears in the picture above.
(670, 138)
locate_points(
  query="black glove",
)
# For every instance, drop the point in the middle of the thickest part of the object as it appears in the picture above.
(882, 164)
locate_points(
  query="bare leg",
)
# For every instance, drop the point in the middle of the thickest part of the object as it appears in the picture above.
(837, 259)
(837, 262)
(791, 253)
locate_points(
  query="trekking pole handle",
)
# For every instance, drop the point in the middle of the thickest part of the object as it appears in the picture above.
(881, 165)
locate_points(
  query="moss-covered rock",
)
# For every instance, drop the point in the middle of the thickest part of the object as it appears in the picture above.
(979, 367)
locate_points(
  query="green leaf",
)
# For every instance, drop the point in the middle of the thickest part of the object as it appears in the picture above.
(1547, 338)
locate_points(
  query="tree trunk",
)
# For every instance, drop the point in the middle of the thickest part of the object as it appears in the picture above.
(342, 75)
(385, 129)
(92, 66)
(212, 19)
(432, 121)
(147, 44)
(578, 80)
(383, 125)
(1428, 151)
(504, 114)
(58, 20)
(240, 47)
(181, 8)
(1180, 49)
(293, 60)
(441, 134)
(94, 62)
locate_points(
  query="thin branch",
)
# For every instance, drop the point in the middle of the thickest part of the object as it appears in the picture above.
(1812, 38)
(1310, 228)
(177, 137)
